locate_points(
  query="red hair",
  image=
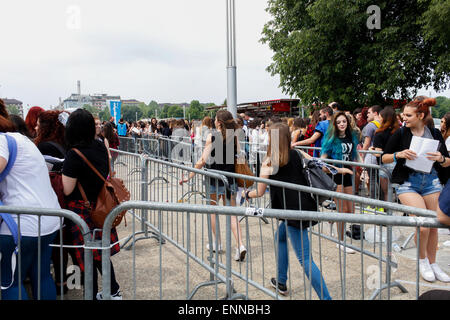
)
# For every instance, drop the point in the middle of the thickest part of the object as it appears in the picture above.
(422, 105)
(50, 129)
(31, 119)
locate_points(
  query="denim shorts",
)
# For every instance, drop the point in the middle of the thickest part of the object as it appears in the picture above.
(390, 167)
(220, 189)
(421, 183)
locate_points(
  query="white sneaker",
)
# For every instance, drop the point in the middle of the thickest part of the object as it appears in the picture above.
(240, 254)
(214, 247)
(345, 249)
(116, 296)
(440, 275)
(425, 270)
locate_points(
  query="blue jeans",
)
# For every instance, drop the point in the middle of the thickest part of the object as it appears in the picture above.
(29, 267)
(299, 239)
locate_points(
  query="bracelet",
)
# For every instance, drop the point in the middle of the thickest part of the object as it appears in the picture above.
(247, 195)
(395, 158)
(443, 160)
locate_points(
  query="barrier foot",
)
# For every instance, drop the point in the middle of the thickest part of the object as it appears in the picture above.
(385, 286)
(204, 284)
(152, 236)
(403, 246)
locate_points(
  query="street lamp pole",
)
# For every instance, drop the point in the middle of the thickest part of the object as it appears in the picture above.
(231, 59)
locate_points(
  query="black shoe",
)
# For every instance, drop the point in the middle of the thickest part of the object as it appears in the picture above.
(282, 289)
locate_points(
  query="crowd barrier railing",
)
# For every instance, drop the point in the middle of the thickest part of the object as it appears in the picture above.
(188, 209)
(165, 173)
(89, 245)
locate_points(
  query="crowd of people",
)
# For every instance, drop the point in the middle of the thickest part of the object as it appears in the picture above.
(46, 140)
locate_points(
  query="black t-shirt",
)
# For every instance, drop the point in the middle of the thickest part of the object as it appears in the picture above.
(284, 198)
(51, 149)
(222, 160)
(347, 148)
(75, 167)
(381, 138)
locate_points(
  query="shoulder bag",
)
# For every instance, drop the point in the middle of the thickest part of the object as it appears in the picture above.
(111, 195)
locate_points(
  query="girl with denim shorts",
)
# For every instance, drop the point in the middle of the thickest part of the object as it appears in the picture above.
(419, 189)
(216, 156)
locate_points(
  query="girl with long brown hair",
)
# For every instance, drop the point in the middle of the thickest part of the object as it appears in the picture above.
(220, 158)
(284, 164)
(389, 125)
(420, 189)
(445, 129)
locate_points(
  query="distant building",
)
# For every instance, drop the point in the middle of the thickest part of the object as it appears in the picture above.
(130, 102)
(14, 102)
(98, 101)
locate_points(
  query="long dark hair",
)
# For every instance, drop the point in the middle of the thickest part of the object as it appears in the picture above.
(80, 129)
(5, 123)
(446, 132)
(225, 118)
(389, 120)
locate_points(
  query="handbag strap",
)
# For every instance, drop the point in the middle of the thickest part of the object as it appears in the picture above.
(80, 187)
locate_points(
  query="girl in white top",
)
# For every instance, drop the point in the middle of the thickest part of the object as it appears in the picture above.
(28, 185)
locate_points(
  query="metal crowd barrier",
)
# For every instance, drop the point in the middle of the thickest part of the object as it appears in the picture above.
(232, 284)
(89, 245)
(159, 184)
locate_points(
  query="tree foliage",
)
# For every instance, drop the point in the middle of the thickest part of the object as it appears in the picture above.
(442, 107)
(13, 109)
(324, 50)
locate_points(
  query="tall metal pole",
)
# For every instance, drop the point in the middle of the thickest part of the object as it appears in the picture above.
(231, 59)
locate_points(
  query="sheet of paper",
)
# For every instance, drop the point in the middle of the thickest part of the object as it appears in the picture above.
(421, 146)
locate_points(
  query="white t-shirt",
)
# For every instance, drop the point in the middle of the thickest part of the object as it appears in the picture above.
(28, 185)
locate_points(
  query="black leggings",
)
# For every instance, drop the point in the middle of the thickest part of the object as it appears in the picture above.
(98, 269)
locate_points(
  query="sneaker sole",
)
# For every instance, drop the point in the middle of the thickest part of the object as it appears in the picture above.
(283, 293)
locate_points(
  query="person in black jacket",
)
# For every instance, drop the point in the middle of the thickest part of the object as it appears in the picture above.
(419, 189)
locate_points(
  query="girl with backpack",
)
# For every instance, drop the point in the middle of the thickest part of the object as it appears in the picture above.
(284, 164)
(26, 183)
(419, 189)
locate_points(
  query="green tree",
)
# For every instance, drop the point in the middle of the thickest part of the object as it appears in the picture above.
(164, 112)
(196, 110)
(324, 50)
(91, 109)
(105, 114)
(175, 112)
(442, 107)
(13, 109)
(131, 112)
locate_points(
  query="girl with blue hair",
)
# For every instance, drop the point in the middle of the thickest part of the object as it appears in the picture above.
(340, 143)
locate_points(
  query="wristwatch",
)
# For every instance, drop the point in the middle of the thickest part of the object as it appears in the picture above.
(246, 195)
(443, 160)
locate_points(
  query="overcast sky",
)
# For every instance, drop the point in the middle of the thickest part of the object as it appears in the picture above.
(167, 51)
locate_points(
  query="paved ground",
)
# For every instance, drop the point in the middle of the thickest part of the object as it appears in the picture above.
(172, 272)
